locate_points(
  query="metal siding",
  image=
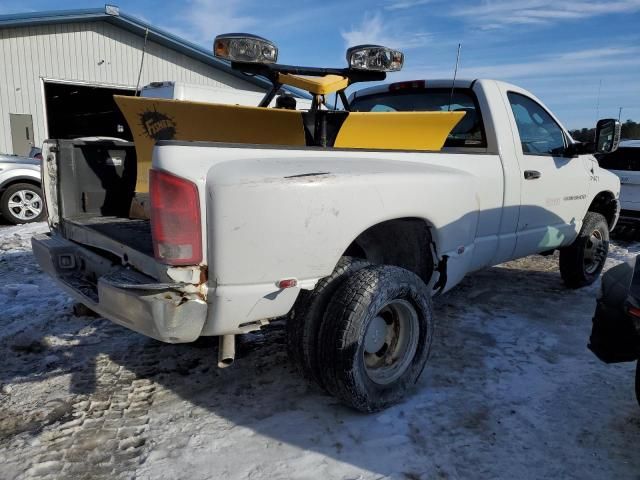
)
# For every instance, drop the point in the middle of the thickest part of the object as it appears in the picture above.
(16, 79)
(72, 52)
(4, 96)
(29, 53)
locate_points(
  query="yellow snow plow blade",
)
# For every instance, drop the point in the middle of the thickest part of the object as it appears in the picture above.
(153, 119)
(397, 130)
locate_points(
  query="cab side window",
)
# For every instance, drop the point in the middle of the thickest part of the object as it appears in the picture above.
(468, 133)
(539, 133)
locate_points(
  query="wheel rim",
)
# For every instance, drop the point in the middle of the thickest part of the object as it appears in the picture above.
(594, 252)
(25, 204)
(390, 342)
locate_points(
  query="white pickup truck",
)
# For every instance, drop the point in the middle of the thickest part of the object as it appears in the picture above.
(348, 243)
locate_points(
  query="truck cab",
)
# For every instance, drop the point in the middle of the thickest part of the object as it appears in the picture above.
(545, 184)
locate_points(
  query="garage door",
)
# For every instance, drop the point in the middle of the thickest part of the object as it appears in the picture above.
(84, 111)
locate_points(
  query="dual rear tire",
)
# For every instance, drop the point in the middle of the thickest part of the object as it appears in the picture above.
(364, 334)
(303, 324)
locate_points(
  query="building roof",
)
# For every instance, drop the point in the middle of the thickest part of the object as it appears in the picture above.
(112, 14)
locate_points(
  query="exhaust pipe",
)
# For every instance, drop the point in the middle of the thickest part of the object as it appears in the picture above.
(226, 350)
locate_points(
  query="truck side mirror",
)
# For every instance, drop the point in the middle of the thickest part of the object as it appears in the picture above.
(607, 135)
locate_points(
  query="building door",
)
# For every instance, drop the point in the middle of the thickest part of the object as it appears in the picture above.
(21, 133)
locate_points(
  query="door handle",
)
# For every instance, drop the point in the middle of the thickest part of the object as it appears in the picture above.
(532, 174)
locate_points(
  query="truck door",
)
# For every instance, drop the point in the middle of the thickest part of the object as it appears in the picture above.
(553, 187)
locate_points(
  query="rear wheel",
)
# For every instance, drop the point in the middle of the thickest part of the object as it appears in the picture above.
(583, 260)
(304, 322)
(22, 203)
(375, 339)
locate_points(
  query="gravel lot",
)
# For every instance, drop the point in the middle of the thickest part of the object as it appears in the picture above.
(511, 391)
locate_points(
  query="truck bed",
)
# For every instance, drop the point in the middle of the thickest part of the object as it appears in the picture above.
(132, 233)
(91, 190)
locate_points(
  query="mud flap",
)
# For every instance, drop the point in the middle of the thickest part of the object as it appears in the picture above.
(615, 335)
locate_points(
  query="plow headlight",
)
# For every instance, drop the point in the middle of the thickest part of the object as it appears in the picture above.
(374, 57)
(243, 47)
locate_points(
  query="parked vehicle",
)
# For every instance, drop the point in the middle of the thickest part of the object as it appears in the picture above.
(625, 163)
(345, 221)
(21, 198)
(208, 94)
(615, 336)
(35, 152)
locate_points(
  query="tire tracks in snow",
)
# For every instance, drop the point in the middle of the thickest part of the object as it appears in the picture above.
(105, 433)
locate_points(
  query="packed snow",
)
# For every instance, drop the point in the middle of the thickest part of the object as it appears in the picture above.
(511, 391)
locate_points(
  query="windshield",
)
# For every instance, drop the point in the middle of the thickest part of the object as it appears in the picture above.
(468, 133)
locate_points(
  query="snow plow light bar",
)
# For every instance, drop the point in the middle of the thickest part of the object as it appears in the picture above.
(253, 55)
(246, 48)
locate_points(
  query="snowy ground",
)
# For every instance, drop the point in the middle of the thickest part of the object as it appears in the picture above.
(511, 391)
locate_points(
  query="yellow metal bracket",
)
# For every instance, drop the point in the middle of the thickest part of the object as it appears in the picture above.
(315, 85)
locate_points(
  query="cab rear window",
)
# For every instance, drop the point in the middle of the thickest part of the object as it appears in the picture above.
(622, 159)
(468, 133)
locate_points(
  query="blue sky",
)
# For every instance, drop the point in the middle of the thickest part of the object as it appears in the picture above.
(560, 50)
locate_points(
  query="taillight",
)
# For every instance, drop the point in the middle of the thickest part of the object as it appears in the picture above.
(175, 219)
(634, 311)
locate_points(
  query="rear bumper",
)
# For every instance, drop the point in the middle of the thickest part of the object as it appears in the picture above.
(124, 296)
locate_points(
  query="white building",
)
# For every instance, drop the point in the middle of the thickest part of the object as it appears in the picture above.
(59, 70)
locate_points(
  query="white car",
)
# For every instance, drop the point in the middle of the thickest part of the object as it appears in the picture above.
(625, 163)
(21, 198)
